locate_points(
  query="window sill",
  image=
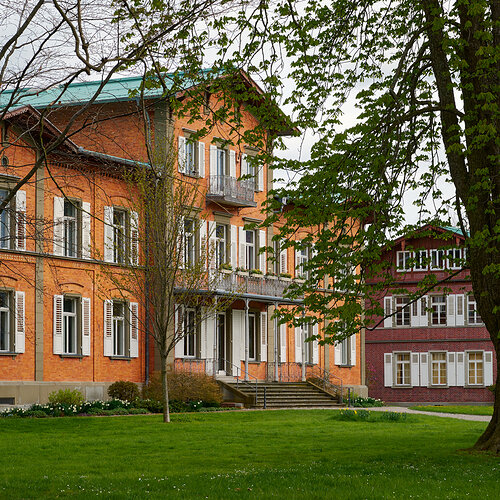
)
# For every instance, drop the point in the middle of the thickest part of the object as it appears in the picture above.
(120, 358)
(9, 353)
(402, 386)
(78, 356)
(346, 366)
(444, 386)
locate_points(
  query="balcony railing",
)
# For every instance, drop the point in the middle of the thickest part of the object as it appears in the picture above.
(239, 283)
(231, 191)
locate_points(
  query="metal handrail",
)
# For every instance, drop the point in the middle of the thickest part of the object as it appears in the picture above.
(238, 368)
(325, 377)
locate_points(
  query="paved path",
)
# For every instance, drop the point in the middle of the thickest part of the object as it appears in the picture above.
(402, 409)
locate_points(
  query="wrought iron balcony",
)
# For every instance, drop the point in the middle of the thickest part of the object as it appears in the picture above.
(231, 191)
(263, 286)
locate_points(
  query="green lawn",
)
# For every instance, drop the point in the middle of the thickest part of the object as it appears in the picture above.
(464, 410)
(280, 454)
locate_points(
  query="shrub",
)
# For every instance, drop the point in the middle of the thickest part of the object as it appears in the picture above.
(138, 411)
(360, 402)
(66, 397)
(492, 387)
(184, 387)
(35, 414)
(119, 411)
(392, 416)
(150, 405)
(123, 390)
(176, 406)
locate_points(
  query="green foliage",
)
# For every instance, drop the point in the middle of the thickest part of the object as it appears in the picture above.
(138, 411)
(66, 397)
(370, 416)
(124, 390)
(463, 410)
(360, 402)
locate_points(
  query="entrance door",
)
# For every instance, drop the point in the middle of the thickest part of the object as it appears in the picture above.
(221, 342)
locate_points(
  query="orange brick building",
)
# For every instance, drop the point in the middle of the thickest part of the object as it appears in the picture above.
(62, 325)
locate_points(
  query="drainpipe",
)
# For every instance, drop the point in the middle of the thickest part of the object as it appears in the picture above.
(276, 342)
(146, 305)
(247, 340)
(302, 339)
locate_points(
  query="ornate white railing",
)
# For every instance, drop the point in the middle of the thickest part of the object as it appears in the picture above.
(228, 187)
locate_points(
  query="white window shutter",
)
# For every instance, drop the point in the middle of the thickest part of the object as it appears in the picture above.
(58, 324)
(424, 314)
(179, 331)
(263, 336)
(232, 163)
(242, 261)
(298, 344)
(315, 345)
(388, 369)
(460, 361)
(450, 311)
(86, 327)
(58, 226)
(452, 369)
(201, 159)
(353, 350)
(244, 165)
(181, 159)
(260, 177)
(20, 322)
(21, 220)
(338, 353)
(262, 256)
(424, 369)
(134, 329)
(297, 263)
(234, 247)
(460, 308)
(387, 312)
(134, 238)
(211, 242)
(86, 225)
(207, 334)
(109, 238)
(283, 343)
(213, 160)
(283, 258)
(108, 328)
(414, 311)
(415, 368)
(488, 368)
(238, 324)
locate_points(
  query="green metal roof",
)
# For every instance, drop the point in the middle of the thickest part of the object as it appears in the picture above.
(118, 89)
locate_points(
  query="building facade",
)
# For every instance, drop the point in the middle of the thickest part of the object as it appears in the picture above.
(64, 325)
(434, 348)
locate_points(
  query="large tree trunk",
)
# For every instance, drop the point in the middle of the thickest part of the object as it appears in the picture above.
(164, 383)
(490, 439)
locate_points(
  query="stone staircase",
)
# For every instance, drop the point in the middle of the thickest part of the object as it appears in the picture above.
(286, 395)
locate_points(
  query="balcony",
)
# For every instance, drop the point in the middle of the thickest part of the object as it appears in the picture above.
(252, 285)
(231, 191)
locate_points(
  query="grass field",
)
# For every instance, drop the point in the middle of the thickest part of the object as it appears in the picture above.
(279, 454)
(464, 410)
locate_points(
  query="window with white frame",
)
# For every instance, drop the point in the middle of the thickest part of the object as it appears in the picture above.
(403, 260)
(454, 258)
(248, 171)
(119, 329)
(120, 235)
(191, 158)
(5, 321)
(421, 260)
(252, 337)
(189, 243)
(475, 368)
(250, 249)
(5, 222)
(438, 310)
(190, 333)
(302, 259)
(473, 317)
(438, 368)
(403, 368)
(70, 326)
(402, 316)
(221, 244)
(438, 257)
(222, 162)
(71, 228)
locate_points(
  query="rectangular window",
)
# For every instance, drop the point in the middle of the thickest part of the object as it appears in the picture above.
(189, 242)
(403, 368)
(438, 306)
(5, 222)
(70, 325)
(402, 311)
(252, 337)
(438, 368)
(302, 259)
(475, 368)
(437, 259)
(5, 321)
(221, 162)
(473, 317)
(250, 249)
(221, 244)
(120, 232)
(454, 258)
(71, 228)
(345, 351)
(119, 324)
(421, 260)
(190, 333)
(191, 163)
(403, 260)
